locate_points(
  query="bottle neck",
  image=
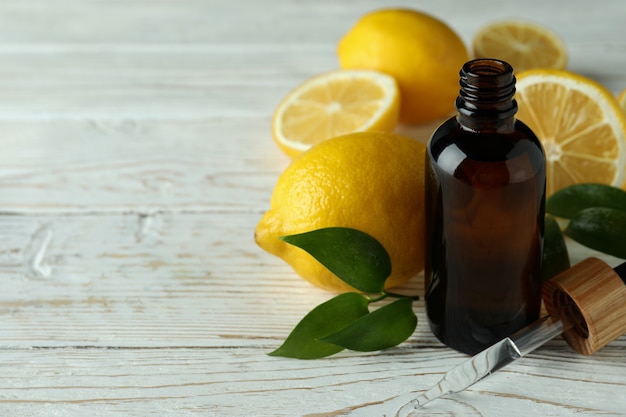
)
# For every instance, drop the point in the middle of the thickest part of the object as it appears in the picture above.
(485, 101)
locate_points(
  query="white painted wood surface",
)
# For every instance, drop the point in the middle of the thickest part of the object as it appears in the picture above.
(136, 160)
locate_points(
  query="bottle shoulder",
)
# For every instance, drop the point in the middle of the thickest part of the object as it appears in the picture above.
(484, 145)
(488, 158)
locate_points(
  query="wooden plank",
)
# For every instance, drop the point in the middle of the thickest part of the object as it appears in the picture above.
(115, 166)
(81, 82)
(158, 279)
(270, 21)
(238, 382)
(140, 280)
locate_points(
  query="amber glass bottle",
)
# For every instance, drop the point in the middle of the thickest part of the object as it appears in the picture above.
(485, 194)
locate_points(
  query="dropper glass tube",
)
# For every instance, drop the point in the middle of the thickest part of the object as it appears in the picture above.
(488, 361)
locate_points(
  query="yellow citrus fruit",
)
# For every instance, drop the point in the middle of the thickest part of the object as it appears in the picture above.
(522, 44)
(621, 99)
(333, 104)
(580, 124)
(370, 181)
(421, 52)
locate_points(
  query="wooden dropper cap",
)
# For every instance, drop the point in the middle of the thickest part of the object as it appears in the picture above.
(590, 300)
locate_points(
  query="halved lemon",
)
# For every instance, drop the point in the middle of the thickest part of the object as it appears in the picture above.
(522, 44)
(621, 99)
(580, 124)
(333, 104)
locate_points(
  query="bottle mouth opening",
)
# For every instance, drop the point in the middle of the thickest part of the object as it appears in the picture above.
(486, 67)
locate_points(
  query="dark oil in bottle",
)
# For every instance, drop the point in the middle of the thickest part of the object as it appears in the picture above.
(485, 195)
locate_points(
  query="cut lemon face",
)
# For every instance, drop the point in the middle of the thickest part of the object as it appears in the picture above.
(334, 104)
(621, 99)
(522, 44)
(580, 124)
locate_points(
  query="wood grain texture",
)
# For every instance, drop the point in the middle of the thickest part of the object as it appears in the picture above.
(136, 161)
(228, 381)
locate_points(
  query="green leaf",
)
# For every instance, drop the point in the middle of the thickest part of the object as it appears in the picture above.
(386, 327)
(355, 257)
(600, 228)
(570, 200)
(327, 318)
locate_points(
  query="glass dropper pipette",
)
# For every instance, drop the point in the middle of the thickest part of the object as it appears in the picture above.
(488, 361)
(572, 307)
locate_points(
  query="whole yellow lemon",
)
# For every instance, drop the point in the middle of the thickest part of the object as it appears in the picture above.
(370, 181)
(421, 52)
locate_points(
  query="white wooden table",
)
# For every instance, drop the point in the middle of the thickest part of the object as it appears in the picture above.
(136, 161)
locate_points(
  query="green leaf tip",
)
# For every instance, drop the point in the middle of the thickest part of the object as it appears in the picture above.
(355, 257)
(327, 318)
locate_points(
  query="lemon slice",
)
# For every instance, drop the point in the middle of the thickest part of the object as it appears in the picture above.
(333, 104)
(522, 44)
(621, 99)
(579, 122)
